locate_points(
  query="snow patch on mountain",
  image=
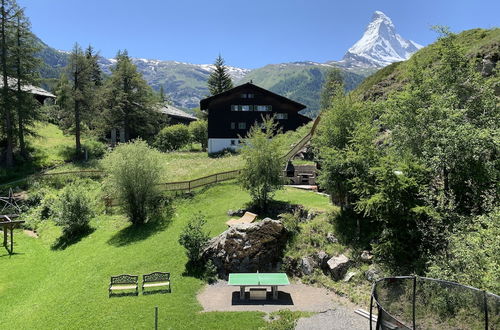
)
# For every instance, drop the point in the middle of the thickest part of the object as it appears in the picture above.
(380, 45)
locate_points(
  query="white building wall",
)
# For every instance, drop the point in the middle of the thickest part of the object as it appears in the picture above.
(216, 145)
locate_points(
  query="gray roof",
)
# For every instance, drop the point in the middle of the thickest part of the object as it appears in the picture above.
(28, 88)
(174, 112)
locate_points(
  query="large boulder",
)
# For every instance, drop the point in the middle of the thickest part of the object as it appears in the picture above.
(338, 266)
(247, 247)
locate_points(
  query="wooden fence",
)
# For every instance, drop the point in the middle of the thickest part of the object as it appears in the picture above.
(200, 182)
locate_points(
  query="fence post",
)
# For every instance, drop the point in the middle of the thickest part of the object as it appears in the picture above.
(371, 305)
(156, 317)
(485, 310)
(189, 186)
(414, 298)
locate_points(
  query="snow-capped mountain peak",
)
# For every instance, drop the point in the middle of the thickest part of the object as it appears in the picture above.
(380, 45)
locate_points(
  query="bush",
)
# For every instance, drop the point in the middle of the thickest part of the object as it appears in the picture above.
(193, 238)
(74, 209)
(173, 138)
(95, 149)
(133, 176)
(199, 132)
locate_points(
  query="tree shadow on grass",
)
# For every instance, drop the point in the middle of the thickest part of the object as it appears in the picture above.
(138, 232)
(65, 241)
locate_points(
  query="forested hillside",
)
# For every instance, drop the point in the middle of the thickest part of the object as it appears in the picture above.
(413, 161)
(301, 82)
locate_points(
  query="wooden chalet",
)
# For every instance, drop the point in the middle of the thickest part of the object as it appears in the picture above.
(177, 116)
(174, 115)
(40, 94)
(233, 112)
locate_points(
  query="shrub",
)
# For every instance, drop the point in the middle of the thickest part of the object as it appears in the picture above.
(262, 172)
(95, 149)
(74, 209)
(199, 132)
(134, 173)
(172, 138)
(193, 238)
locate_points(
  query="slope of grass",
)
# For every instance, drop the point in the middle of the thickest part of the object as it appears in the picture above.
(68, 289)
(47, 149)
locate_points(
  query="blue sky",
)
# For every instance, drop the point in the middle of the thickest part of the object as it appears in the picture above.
(248, 33)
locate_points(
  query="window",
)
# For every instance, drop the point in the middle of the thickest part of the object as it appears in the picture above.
(246, 107)
(247, 96)
(263, 108)
(250, 96)
(242, 125)
(233, 142)
(281, 116)
(233, 125)
(243, 96)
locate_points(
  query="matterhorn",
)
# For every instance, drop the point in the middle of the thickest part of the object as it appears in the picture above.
(379, 46)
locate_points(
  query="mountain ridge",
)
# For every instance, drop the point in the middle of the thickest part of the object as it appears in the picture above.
(185, 83)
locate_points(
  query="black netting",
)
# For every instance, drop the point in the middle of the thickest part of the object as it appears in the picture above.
(446, 305)
(493, 303)
(395, 296)
(436, 304)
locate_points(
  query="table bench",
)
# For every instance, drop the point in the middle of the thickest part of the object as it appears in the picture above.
(156, 280)
(124, 282)
(259, 280)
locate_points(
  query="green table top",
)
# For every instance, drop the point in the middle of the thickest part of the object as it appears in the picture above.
(258, 279)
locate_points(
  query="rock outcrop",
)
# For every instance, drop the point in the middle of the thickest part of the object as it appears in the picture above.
(338, 266)
(247, 247)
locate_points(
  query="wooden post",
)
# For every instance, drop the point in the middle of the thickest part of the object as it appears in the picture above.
(11, 239)
(156, 318)
(4, 236)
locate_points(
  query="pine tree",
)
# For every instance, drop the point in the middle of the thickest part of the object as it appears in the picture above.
(78, 104)
(26, 64)
(129, 101)
(8, 12)
(219, 80)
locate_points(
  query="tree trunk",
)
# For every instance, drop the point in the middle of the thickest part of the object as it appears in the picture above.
(22, 145)
(77, 130)
(77, 114)
(9, 153)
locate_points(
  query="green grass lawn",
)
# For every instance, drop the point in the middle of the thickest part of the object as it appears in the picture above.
(68, 289)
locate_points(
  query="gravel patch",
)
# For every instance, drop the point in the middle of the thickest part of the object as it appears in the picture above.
(295, 297)
(337, 318)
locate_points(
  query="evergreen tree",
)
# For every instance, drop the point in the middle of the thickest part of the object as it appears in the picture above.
(80, 77)
(129, 101)
(26, 64)
(8, 11)
(219, 80)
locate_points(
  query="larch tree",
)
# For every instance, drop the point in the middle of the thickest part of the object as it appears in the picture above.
(219, 80)
(8, 11)
(129, 101)
(79, 74)
(26, 65)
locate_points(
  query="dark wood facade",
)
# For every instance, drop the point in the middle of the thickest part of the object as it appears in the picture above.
(232, 113)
